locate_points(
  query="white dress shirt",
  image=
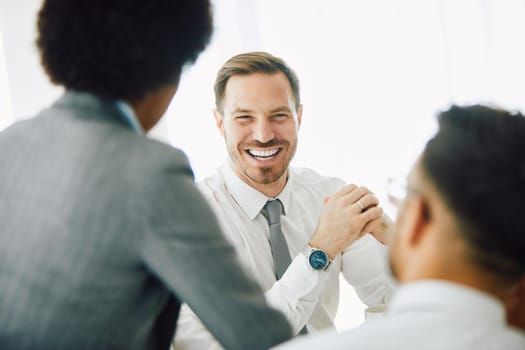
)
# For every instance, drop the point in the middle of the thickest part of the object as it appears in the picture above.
(302, 294)
(427, 315)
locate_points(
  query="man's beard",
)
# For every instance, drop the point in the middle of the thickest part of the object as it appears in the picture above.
(263, 175)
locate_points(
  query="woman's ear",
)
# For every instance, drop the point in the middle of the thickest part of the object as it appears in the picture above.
(515, 305)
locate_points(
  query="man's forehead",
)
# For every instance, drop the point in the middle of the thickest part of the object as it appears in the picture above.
(260, 94)
(257, 80)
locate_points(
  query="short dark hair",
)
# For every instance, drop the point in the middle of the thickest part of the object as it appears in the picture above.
(121, 48)
(254, 62)
(477, 162)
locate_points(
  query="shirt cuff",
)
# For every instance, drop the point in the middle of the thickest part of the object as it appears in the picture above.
(297, 292)
(300, 282)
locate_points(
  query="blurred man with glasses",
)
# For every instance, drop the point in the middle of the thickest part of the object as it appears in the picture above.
(459, 247)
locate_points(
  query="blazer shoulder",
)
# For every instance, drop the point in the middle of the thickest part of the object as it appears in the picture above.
(154, 158)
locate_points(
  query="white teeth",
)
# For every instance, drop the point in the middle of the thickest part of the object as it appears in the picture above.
(263, 154)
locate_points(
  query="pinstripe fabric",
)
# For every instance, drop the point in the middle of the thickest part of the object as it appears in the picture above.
(96, 250)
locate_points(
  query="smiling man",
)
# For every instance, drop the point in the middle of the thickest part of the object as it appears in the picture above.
(291, 239)
(261, 129)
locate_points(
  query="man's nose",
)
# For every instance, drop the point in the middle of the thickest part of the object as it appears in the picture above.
(262, 131)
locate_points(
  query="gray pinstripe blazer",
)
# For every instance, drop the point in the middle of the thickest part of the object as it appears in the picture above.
(103, 234)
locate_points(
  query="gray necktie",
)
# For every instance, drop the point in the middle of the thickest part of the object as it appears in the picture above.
(281, 255)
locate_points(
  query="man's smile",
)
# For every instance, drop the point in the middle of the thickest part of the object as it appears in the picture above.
(264, 154)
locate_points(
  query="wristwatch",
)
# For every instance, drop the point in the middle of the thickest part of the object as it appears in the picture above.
(317, 258)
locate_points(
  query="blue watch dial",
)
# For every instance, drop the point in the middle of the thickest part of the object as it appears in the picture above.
(318, 259)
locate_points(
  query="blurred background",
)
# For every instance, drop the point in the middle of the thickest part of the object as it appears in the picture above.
(373, 75)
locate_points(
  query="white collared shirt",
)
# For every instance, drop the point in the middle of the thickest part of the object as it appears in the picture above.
(428, 314)
(302, 294)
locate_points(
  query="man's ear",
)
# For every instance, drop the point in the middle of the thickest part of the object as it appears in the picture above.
(299, 116)
(219, 121)
(416, 219)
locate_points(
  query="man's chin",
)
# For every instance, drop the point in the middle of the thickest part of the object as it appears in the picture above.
(265, 180)
(265, 176)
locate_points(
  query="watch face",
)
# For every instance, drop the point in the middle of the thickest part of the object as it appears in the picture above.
(318, 259)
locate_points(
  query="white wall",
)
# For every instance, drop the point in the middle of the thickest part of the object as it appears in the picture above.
(6, 111)
(29, 88)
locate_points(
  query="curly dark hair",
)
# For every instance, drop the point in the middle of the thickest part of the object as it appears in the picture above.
(121, 48)
(477, 162)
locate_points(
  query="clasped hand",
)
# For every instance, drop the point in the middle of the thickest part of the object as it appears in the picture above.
(348, 215)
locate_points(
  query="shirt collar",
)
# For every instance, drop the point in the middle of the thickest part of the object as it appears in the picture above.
(129, 115)
(248, 198)
(443, 295)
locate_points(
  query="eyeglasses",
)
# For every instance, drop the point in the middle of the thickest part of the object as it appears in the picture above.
(397, 190)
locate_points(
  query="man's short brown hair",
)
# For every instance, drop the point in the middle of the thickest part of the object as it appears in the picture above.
(253, 62)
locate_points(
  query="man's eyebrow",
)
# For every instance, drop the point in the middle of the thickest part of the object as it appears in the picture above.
(281, 109)
(241, 110)
(275, 110)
